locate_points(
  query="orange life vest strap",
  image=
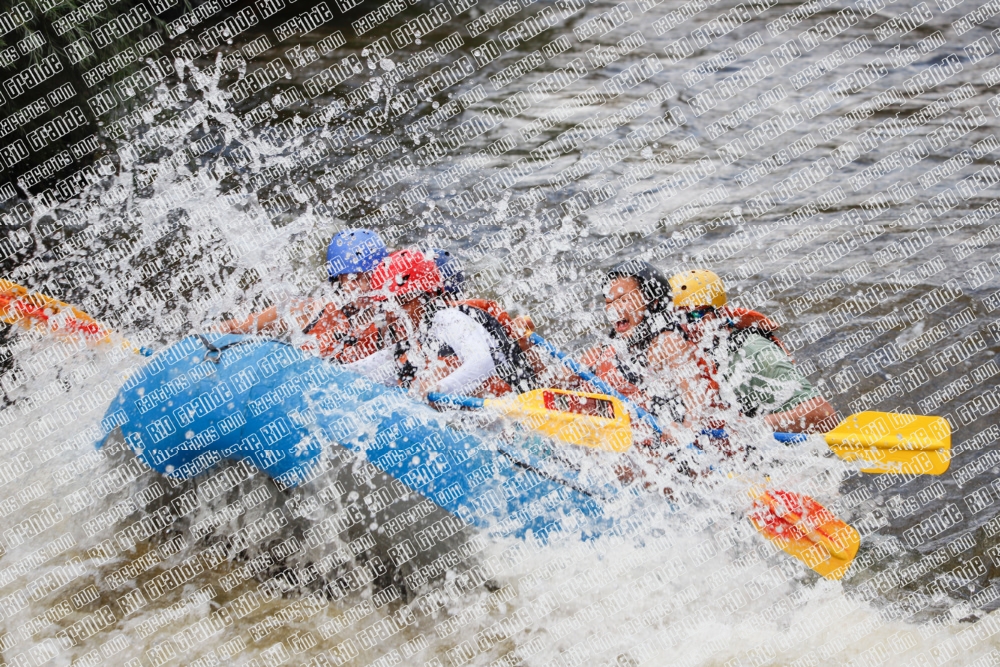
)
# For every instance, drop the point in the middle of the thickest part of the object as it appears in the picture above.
(744, 319)
(601, 360)
(331, 329)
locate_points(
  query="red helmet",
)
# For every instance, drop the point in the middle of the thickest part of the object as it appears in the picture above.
(405, 272)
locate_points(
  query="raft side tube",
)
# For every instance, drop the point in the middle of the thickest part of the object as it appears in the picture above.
(211, 397)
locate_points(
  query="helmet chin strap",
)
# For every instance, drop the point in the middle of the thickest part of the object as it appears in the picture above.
(650, 327)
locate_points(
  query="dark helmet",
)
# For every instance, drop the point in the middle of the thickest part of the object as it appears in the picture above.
(451, 270)
(655, 286)
(655, 289)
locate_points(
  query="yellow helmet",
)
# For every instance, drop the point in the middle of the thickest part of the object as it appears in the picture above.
(698, 288)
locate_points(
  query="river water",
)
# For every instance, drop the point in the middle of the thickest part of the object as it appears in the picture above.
(617, 131)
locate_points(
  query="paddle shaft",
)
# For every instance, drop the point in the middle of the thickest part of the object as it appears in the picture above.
(458, 401)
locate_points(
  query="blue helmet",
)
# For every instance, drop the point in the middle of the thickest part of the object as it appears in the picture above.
(450, 269)
(354, 251)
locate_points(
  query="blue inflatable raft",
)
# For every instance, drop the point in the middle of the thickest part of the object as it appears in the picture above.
(211, 397)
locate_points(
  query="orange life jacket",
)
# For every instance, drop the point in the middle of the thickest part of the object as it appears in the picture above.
(603, 361)
(340, 340)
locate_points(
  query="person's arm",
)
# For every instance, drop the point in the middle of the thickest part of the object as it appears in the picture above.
(270, 321)
(815, 415)
(776, 388)
(252, 324)
(471, 344)
(379, 366)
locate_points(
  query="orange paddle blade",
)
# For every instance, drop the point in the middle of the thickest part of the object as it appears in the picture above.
(34, 310)
(803, 528)
(31, 310)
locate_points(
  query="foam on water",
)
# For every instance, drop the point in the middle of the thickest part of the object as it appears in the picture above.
(693, 586)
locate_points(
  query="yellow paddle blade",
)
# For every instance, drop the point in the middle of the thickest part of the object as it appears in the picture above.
(579, 418)
(33, 310)
(806, 530)
(894, 442)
